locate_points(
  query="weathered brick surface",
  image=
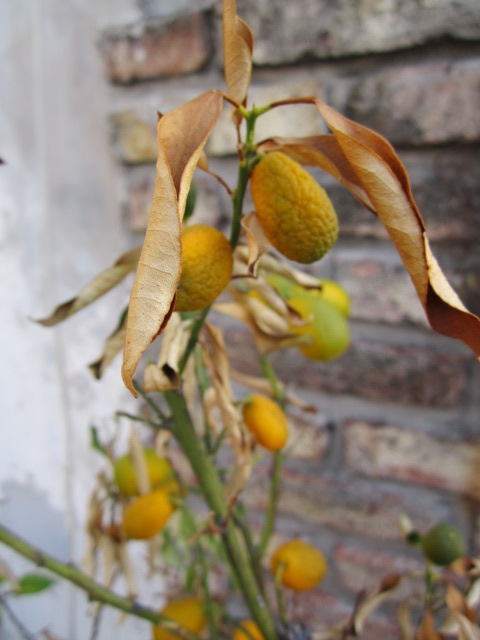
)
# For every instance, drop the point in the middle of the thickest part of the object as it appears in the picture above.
(157, 49)
(352, 507)
(383, 372)
(387, 451)
(429, 103)
(359, 569)
(285, 33)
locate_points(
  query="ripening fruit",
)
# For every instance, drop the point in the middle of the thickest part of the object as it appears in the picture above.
(293, 210)
(330, 291)
(145, 516)
(326, 328)
(160, 472)
(266, 420)
(252, 629)
(188, 612)
(443, 544)
(304, 565)
(207, 263)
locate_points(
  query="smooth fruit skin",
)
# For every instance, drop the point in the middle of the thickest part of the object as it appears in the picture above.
(443, 544)
(186, 611)
(326, 327)
(252, 629)
(293, 210)
(330, 291)
(266, 420)
(304, 566)
(145, 516)
(207, 263)
(159, 469)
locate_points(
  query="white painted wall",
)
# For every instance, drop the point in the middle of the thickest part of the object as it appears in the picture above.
(59, 226)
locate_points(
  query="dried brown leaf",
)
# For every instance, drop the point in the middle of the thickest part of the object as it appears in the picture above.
(237, 52)
(139, 463)
(95, 288)
(182, 135)
(113, 346)
(405, 622)
(373, 600)
(426, 630)
(457, 603)
(383, 178)
(257, 243)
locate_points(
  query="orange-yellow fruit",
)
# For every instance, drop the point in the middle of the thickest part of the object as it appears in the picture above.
(294, 211)
(443, 544)
(252, 629)
(207, 263)
(145, 516)
(266, 420)
(326, 330)
(160, 472)
(303, 565)
(188, 612)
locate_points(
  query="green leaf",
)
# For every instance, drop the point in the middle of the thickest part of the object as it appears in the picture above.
(31, 583)
(191, 200)
(95, 442)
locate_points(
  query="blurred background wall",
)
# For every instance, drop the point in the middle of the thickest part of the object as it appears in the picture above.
(398, 423)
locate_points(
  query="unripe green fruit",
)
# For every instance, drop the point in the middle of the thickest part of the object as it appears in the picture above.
(443, 544)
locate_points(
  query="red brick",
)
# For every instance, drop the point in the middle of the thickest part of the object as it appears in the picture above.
(353, 507)
(387, 451)
(157, 49)
(360, 569)
(406, 374)
(427, 103)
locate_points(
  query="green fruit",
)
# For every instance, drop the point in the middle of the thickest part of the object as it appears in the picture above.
(326, 329)
(160, 472)
(330, 291)
(443, 544)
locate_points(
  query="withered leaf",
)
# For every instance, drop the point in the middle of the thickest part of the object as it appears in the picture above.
(95, 288)
(367, 165)
(182, 135)
(113, 346)
(384, 179)
(257, 242)
(426, 630)
(237, 52)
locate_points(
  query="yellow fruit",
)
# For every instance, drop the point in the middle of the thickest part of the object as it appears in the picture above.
(160, 472)
(326, 328)
(266, 420)
(443, 544)
(145, 516)
(207, 264)
(188, 612)
(295, 213)
(252, 629)
(303, 565)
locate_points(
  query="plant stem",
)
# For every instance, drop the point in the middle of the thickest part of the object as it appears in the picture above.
(192, 340)
(94, 590)
(275, 477)
(212, 490)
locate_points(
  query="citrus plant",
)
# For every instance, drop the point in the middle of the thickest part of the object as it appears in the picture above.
(184, 270)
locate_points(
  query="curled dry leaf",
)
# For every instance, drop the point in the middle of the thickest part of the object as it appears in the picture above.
(240, 440)
(237, 52)
(405, 621)
(182, 135)
(113, 346)
(373, 600)
(367, 165)
(95, 288)
(164, 375)
(139, 463)
(426, 630)
(257, 243)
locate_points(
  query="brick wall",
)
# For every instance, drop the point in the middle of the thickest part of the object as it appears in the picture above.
(398, 430)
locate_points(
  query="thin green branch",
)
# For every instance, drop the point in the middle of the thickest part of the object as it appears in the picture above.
(212, 490)
(275, 478)
(134, 418)
(193, 338)
(94, 590)
(153, 405)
